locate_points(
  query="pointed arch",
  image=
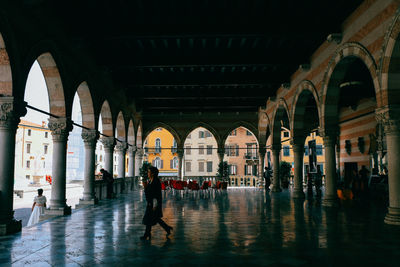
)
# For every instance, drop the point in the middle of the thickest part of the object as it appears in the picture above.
(388, 65)
(54, 84)
(131, 133)
(335, 73)
(120, 129)
(86, 102)
(280, 118)
(244, 124)
(6, 86)
(106, 119)
(205, 126)
(165, 126)
(304, 92)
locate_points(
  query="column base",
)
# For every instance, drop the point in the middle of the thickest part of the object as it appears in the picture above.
(59, 211)
(299, 194)
(10, 227)
(276, 189)
(393, 216)
(330, 202)
(85, 203)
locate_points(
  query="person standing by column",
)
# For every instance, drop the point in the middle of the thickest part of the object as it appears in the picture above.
(39, 204)
(107, 177)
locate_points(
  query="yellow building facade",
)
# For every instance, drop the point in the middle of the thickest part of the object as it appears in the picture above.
(161, 151)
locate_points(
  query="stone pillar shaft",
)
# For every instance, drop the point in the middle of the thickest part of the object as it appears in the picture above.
(60, 128)
(121, 151)
(180, 152)
(89, 138)
(131, 161)
(389, 117)
(10, 112)
(261, 152)
(138, 161)
(108, 144)
(298, 151)
(276, 151)
(330, 198)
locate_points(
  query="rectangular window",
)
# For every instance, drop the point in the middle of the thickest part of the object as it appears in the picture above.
(233, 133)
(201, 134)
(188, 166)
(201, 166)
(319, 150)
(232, 169)
(255, 170)
(209, 166)
(248, 132)
(286, 151)
(201, 150)
(28, 148)
(285, 134)
(28, 164)
(45, 149)
(188, 150)
(245, 169)
(208, 134)
(46, 134)
(305, 150)
(27, 177)
(29, 132)
(209, 150)
(101, 157)
(44, 164)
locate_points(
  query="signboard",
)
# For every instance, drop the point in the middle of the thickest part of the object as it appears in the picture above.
(312, 156)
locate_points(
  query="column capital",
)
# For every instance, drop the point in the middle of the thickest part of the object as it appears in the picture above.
(132, 149)
(328, 132)
(10, 112)
(140, 152)
(121, 147)
(389, 117)
(90, 137)
(60, 128)
(108, 143)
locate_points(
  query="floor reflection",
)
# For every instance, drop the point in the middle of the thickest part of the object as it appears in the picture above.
(232, 227)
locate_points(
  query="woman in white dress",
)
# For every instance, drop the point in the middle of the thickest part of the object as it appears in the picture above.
(39, 204)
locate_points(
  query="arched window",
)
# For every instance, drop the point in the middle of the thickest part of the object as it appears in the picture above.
(158, 145)
(157, 163)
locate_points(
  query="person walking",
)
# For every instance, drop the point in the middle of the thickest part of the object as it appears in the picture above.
(38, 207)
(110, 182)
(153, 213)
(267, 176)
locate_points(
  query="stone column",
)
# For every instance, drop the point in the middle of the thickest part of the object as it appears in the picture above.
(276, 151)
(180, 153)
(330, 137)
(389, 117)
(261, 152)
(10, 112)
(120, 148)
(138, 161)
(90, 138)
(131, 161)
(338, 174)
(108, 144)
(298, 151)
(60, 128)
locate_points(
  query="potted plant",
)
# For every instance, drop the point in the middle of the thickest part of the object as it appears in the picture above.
(143, 172)
(284, 173)
(223, 174)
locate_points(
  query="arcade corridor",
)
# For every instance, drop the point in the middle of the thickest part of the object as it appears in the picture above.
(236, 227)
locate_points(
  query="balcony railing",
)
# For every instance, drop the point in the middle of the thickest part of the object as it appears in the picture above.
(250, 156)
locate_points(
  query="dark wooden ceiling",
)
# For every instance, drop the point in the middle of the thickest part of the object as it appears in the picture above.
(197, 54)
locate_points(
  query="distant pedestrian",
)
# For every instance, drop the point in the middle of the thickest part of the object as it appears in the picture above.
(38, 207)
(107, 177)
(267, 176)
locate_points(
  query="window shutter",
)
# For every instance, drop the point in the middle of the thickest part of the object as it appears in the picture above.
(245, 169)
(237, 150)
(162, 164)
(153, 162)
(171, 164)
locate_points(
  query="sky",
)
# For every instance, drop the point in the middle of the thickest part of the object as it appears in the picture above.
(36, 95)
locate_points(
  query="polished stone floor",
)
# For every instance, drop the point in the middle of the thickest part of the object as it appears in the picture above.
(235, 227)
